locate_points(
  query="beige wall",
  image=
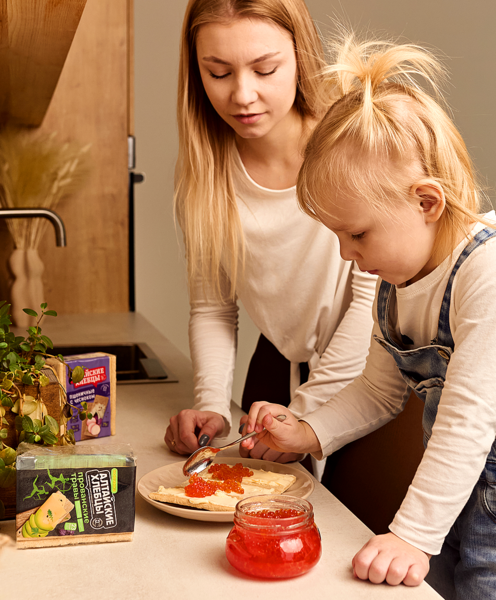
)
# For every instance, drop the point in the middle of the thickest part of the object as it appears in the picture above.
(462, 30)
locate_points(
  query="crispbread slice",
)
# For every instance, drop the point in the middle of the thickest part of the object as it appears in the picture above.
(220, 501)
(264, 479)
(259, 484)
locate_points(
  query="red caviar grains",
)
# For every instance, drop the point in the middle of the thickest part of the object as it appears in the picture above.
(281, 513)
(225, 472)
(201, 488)
(278, 540)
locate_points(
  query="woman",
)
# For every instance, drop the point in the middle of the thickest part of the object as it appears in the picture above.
(250, 94)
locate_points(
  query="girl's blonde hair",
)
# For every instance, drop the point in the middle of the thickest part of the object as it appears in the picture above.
(384, 133)
(205, 201)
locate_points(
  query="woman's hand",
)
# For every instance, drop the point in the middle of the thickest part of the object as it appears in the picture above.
(263, 452)
(289, 435)
(181, 436)
(391, 559)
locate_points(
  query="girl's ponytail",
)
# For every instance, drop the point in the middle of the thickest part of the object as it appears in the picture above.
(383, 132)
(363, 73)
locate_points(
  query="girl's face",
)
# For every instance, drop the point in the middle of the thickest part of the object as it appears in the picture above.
(396, 245)
(248, 69)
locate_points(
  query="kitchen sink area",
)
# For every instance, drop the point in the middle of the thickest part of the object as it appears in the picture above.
(136, 362)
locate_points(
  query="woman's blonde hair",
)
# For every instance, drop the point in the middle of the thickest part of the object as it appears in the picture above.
(205, 201)
(384, 133)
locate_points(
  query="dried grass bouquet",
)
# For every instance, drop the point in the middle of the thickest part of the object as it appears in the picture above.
(37, 171)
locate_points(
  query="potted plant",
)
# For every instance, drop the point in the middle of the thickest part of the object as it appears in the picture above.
(33, 401)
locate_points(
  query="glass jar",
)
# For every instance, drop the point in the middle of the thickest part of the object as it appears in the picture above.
(273, 537)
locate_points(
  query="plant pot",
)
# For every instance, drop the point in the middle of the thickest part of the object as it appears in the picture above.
(27, 288)
(53, 398)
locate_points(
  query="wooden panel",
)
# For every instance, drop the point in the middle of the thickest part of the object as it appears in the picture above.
(35, 38)
(371, 475)
(130, 54)
(90, 106)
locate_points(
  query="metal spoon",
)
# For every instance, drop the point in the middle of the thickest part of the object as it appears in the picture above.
(203, 457)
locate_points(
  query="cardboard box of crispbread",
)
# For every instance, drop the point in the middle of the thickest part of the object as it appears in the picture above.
(74, 495)
(98, 390)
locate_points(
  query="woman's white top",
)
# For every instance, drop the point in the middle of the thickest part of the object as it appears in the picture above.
(465, 426)
(312, 305)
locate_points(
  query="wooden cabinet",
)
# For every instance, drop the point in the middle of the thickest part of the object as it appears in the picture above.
(92, 103)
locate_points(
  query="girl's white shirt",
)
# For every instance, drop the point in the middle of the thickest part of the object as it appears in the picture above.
(465, 427)
(313, 306)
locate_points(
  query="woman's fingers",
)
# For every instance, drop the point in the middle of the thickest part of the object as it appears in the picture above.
(287, 457)
(168, 438)
(187, 427)
(210, 424)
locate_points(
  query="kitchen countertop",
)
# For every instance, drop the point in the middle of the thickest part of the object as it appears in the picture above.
(171, 557)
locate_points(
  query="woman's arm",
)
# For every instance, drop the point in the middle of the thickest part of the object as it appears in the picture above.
(213, 329)
(213, 338)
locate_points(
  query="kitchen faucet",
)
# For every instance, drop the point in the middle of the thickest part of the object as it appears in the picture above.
(44, 213)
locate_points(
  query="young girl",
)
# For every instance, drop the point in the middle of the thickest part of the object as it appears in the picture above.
(387, 171)
(249, 96)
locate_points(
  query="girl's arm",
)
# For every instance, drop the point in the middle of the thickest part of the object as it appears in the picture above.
(465, 426)
(376, 397)
(344, 358)
(462, 436)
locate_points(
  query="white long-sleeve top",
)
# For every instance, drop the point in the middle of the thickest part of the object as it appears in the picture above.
(465, 427)
(313, 306)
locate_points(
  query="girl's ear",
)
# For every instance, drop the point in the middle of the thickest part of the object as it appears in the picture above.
(429, 196)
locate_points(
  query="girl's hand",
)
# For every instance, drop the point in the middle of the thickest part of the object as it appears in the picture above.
(389, 558)
(290, 435)
(263, 452)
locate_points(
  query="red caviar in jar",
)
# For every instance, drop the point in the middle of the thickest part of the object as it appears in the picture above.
(273, 537)
(224, 472)
(201, 488)
(280, 513)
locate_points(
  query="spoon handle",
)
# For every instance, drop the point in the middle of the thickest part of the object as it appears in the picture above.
(249, 435)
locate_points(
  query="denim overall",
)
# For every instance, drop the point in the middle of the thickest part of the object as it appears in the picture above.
(466, 567)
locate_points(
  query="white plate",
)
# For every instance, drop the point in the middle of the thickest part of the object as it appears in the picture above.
(172, 476)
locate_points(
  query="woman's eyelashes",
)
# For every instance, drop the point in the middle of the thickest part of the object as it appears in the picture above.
(357, 236)
(265, 74)
(257, 72)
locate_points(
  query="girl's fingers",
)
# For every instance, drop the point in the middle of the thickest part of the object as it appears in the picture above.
(379, 567)
(397, 571)
(388, 558)
(362, 561)
(416, 574)
(253, 416)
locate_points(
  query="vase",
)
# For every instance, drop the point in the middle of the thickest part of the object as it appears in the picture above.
(27, 288)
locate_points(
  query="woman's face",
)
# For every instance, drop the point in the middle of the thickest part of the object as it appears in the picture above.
(248, 69)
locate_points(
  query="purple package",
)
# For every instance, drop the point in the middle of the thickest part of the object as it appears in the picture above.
(97, 389)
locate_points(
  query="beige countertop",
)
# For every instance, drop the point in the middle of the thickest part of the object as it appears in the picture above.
(171, 557)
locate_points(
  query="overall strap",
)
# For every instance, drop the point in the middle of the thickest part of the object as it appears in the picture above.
(444, 337)
(383, 303)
